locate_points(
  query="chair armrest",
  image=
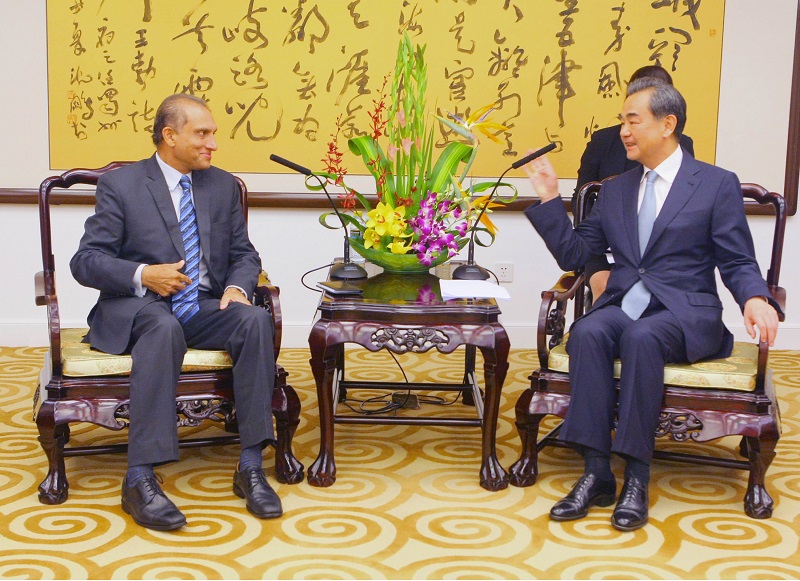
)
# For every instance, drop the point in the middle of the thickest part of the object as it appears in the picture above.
(268, 296)
(778, 294)
(553, 313)
(44, 285)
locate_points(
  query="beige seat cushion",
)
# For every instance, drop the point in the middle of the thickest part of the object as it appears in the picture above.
(80, 360)
(737, 372)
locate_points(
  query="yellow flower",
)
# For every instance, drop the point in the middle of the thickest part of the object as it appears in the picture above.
(399, 246)
(387, 220)
(478, 121)
(477, 204)
(372, 239)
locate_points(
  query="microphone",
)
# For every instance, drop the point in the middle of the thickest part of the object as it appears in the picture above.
(343, 270)
(470, 270)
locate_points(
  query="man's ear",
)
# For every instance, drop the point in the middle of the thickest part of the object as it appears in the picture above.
(670, 122)
(168, 135)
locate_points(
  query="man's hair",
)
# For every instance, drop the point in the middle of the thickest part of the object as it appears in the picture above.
(664, 100)
(654, 71)
(171, 114)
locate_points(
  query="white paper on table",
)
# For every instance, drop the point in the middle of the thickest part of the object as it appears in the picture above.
(472, 289)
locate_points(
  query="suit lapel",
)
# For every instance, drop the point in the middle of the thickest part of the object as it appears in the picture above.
(630, 208)
(683, 188)
(158, 189)
(202, 207)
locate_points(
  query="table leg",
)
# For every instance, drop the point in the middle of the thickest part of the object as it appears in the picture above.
(469, 369)
(493, 476)
(323, 365)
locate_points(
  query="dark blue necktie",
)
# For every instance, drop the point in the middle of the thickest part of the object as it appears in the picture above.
(637, 298)
(184, 303)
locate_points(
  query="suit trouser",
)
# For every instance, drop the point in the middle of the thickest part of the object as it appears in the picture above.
(643, 346)
(158, 344)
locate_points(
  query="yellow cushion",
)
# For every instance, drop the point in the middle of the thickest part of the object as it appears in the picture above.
(736, 372)
(82, 361)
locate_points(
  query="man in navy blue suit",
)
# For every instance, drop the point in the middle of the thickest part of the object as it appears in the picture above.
(605, 156)
(669, 224)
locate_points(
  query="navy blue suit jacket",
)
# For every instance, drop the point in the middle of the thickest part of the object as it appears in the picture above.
(135, 223)
(702, 226)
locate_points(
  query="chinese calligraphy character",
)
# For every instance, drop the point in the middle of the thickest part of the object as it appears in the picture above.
(300, 27)
(560, 79)
(198, 30)
(245, 120)
(657, 47)
(616, 44)
(609, 83)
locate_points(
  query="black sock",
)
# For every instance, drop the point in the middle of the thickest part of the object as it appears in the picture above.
(598, 463)
(637, 469)
(137, 473)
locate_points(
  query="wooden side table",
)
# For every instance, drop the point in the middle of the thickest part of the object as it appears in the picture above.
(405, 313)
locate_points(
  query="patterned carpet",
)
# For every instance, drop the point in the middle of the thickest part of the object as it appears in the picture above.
(406, 503)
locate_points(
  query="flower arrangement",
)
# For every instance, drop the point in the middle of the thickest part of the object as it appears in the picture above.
(425, 210)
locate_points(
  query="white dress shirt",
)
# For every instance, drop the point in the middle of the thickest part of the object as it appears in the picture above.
(666, 170)
(173, 177)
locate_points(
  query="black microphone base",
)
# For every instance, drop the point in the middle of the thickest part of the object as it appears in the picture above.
(347, 271)
(470, 272)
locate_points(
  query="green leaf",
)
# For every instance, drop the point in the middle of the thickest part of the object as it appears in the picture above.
(374, 160)
(348, 219)
(447, 164)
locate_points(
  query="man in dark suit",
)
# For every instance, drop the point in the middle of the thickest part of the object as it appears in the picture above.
(605, 156)
(661, 304)
(168, 249)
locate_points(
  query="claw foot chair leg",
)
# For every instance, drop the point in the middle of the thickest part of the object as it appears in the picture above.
(757, 501)
(54, 489)
(526, 469)
(288, 469)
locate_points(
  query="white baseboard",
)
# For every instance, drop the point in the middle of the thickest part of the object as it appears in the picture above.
(296, 336)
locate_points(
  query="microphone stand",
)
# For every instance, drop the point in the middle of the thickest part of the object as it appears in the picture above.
(345, 270)
(470, 270)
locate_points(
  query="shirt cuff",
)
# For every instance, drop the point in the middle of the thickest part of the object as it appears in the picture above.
(137, 288)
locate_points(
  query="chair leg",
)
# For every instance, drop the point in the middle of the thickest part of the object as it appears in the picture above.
(54, 489)
(757, 501)
(286, 409)
(743, 451)
(526, 469)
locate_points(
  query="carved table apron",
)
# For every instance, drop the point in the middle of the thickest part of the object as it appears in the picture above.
(405, 313)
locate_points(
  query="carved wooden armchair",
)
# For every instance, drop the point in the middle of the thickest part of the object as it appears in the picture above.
(79, 384)
(702, 401)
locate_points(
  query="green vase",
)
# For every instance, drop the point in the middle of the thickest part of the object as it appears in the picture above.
(396, 263)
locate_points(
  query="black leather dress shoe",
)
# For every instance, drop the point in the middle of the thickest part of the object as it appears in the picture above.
(631, 510)
(149, 506)
(589, 491)
(251, 484)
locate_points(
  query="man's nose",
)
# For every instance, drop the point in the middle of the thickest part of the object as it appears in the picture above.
(212, 144)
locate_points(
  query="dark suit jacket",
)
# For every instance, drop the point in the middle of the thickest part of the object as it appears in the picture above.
(701, 226)
(135, 223)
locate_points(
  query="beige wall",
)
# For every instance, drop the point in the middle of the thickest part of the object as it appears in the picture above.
(754, 106)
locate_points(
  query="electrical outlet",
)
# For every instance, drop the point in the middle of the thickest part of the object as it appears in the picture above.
(504, 271)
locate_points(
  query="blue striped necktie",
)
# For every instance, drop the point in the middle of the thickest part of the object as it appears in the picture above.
(637, 298)
(184, 303)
